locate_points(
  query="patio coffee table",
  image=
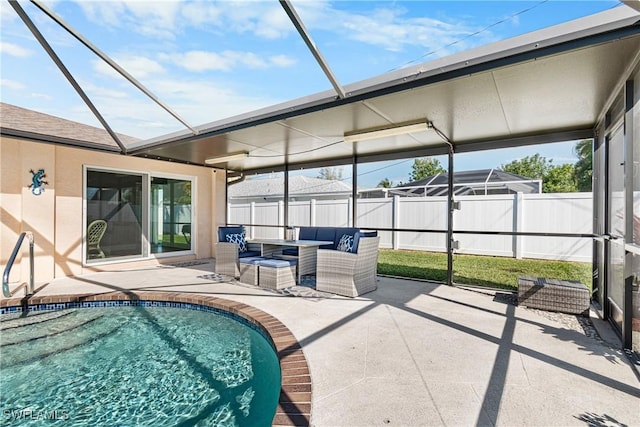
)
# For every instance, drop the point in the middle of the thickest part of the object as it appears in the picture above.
(307, 251)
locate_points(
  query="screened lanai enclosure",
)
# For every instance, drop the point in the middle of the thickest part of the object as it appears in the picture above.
(567, 82)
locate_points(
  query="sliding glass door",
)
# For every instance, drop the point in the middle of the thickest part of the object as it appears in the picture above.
(132, 215)
(170, 215)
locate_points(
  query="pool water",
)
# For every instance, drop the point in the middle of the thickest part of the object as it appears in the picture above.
(135, 366)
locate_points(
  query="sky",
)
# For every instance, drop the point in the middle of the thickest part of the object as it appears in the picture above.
(210, 60)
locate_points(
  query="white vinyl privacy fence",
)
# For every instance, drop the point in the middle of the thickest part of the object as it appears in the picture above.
(542, 213)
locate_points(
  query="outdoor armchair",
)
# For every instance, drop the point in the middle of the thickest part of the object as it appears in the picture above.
(349, 274)
(231, 246)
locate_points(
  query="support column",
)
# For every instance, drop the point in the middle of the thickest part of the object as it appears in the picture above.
(281, 215)
(252, 219)
(354, 192)
(518, 221)
(627, 298)
(450, 219)
(395, 222)
(286, 195)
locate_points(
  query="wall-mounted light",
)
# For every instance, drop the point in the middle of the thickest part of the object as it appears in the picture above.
(382, 132)
(226, 157)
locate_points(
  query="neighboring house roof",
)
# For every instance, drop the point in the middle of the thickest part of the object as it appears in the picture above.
(298, 186)
(470, 182)
(19, 121)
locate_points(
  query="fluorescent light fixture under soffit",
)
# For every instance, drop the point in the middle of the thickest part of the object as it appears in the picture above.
(365, 135)
(226, 157)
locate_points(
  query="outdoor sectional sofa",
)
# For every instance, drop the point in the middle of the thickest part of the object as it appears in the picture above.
(346, 266)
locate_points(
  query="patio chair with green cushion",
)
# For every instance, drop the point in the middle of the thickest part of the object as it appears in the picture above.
(232, 246)
(95, 231)
(349, 273)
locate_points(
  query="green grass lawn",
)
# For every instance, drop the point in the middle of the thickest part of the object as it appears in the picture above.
(497, 272)
(178, 239)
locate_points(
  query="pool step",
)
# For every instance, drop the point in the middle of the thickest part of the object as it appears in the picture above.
(19, 320)
(33, 331)
(38, 340)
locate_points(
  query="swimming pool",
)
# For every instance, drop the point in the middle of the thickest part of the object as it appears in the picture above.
(147, 364)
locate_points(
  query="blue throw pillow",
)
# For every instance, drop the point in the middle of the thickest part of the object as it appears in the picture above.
(346, 243)
(239, 240)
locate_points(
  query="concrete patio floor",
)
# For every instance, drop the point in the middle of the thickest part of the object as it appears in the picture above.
(423, 354)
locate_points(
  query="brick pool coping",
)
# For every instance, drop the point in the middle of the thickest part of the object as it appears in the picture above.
(294, 405)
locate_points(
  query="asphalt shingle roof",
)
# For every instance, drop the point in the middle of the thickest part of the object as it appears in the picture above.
(32, 122)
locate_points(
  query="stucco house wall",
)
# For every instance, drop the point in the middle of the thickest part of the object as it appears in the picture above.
(56, 216)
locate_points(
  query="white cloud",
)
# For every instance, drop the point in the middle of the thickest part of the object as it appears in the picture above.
(165, 19)
(14, 50)
(202, 13)
(198, 100)
(200, 61)
(43, 96)
(7, 14)
(386, 27)
(273, 24)
(138, 66)
(282, 61)
(105, 13)
(11, 84)
(95, 90)
(157, 19)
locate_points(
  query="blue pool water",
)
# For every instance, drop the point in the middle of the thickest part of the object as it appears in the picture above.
(135, 366)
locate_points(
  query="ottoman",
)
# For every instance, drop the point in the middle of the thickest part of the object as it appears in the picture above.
(249, 269)
(277, 273)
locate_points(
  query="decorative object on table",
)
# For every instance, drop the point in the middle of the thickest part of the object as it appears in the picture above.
(37, 182)
(290, 233)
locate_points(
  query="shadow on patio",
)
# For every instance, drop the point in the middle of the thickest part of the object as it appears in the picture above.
(419, 353)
